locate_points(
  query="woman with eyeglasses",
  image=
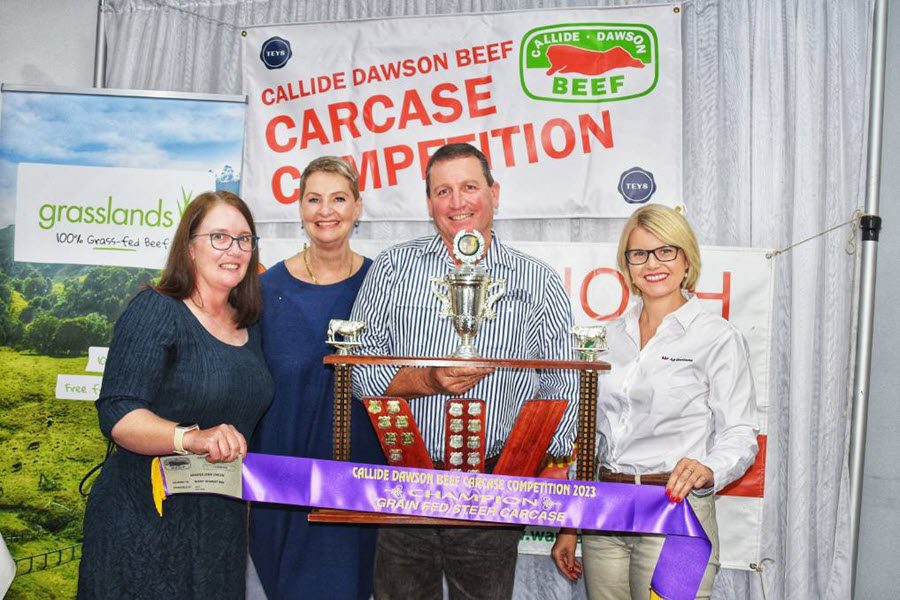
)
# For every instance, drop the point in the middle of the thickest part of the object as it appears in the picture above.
(301, 295)
(677, 409)
(184, 374)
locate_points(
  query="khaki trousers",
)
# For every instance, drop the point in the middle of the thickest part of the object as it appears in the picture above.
(619, 567)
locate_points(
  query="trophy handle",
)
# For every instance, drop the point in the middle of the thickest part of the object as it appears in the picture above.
(492, 298)
(436, 283)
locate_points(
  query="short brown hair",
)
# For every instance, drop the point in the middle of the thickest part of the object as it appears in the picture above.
(671, 228)
(178, 278)
(452, 152)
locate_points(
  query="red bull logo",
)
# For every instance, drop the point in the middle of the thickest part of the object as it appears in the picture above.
(589, 62)
(572, 59)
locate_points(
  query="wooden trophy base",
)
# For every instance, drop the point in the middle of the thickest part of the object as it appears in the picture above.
(343, 363)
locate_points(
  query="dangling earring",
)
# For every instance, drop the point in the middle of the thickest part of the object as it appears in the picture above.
(304, 232)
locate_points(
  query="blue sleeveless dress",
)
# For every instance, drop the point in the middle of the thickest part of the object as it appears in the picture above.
(296, 559)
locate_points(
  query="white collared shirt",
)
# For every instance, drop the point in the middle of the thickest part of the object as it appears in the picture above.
(687, 393)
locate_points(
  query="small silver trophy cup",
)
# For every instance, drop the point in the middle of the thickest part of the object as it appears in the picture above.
(590, 342)
(471, 292)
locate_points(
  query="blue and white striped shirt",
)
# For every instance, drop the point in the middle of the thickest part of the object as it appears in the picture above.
(533, 321)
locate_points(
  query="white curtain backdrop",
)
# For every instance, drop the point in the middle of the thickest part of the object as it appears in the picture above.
(775, 100)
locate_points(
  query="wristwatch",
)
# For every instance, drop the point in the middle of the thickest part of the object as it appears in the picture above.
(180, 430)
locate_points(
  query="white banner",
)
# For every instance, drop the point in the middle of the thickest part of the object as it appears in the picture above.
(101, 215)
(7, 567)
(581, 106)
(78, 387)
(736, 283)
(96, 359)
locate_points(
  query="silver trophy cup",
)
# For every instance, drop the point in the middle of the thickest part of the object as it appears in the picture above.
(590, 342)
(471, 293)
(469, 299)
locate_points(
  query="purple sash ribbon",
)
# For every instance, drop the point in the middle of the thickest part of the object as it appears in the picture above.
(504, 499)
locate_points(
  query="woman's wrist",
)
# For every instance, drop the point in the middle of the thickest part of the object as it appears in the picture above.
(189, 440)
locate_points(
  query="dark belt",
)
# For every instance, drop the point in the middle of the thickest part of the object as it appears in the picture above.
(644, 479)
(489, 464)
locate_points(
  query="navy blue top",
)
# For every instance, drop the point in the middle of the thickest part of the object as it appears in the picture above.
(293, 558)
(164, 360)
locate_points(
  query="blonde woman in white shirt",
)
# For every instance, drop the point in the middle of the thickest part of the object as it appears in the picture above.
(677, 409)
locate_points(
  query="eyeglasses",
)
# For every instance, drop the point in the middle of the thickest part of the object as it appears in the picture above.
(223, 241)
(662, 254)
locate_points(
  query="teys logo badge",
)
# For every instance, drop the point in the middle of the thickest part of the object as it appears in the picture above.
(275, 52)
(589, 62)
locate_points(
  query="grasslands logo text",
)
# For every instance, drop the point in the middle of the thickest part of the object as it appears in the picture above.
(109, 213)
(589, 62)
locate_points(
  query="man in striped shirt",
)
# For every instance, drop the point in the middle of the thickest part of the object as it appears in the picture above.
(532, 321)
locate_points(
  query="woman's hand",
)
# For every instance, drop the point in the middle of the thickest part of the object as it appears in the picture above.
(222, 443)
(689, 474)
(563, 554)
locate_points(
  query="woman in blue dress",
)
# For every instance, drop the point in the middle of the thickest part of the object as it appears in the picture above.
(185, 374)
(293, 558)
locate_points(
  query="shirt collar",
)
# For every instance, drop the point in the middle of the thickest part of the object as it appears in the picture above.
(689, 311)
(684, 315)
(436, 246)
(630, 320)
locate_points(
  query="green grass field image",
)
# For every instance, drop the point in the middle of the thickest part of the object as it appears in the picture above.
(49, 445)
(49, 316)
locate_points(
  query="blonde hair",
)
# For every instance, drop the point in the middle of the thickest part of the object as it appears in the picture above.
(672, 229)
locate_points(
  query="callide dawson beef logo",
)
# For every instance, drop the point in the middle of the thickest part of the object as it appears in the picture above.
(589, 62)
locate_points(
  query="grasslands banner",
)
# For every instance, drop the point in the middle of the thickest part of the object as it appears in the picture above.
(118, 216)
(578, 110)
(103, 179)
(91, 186)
